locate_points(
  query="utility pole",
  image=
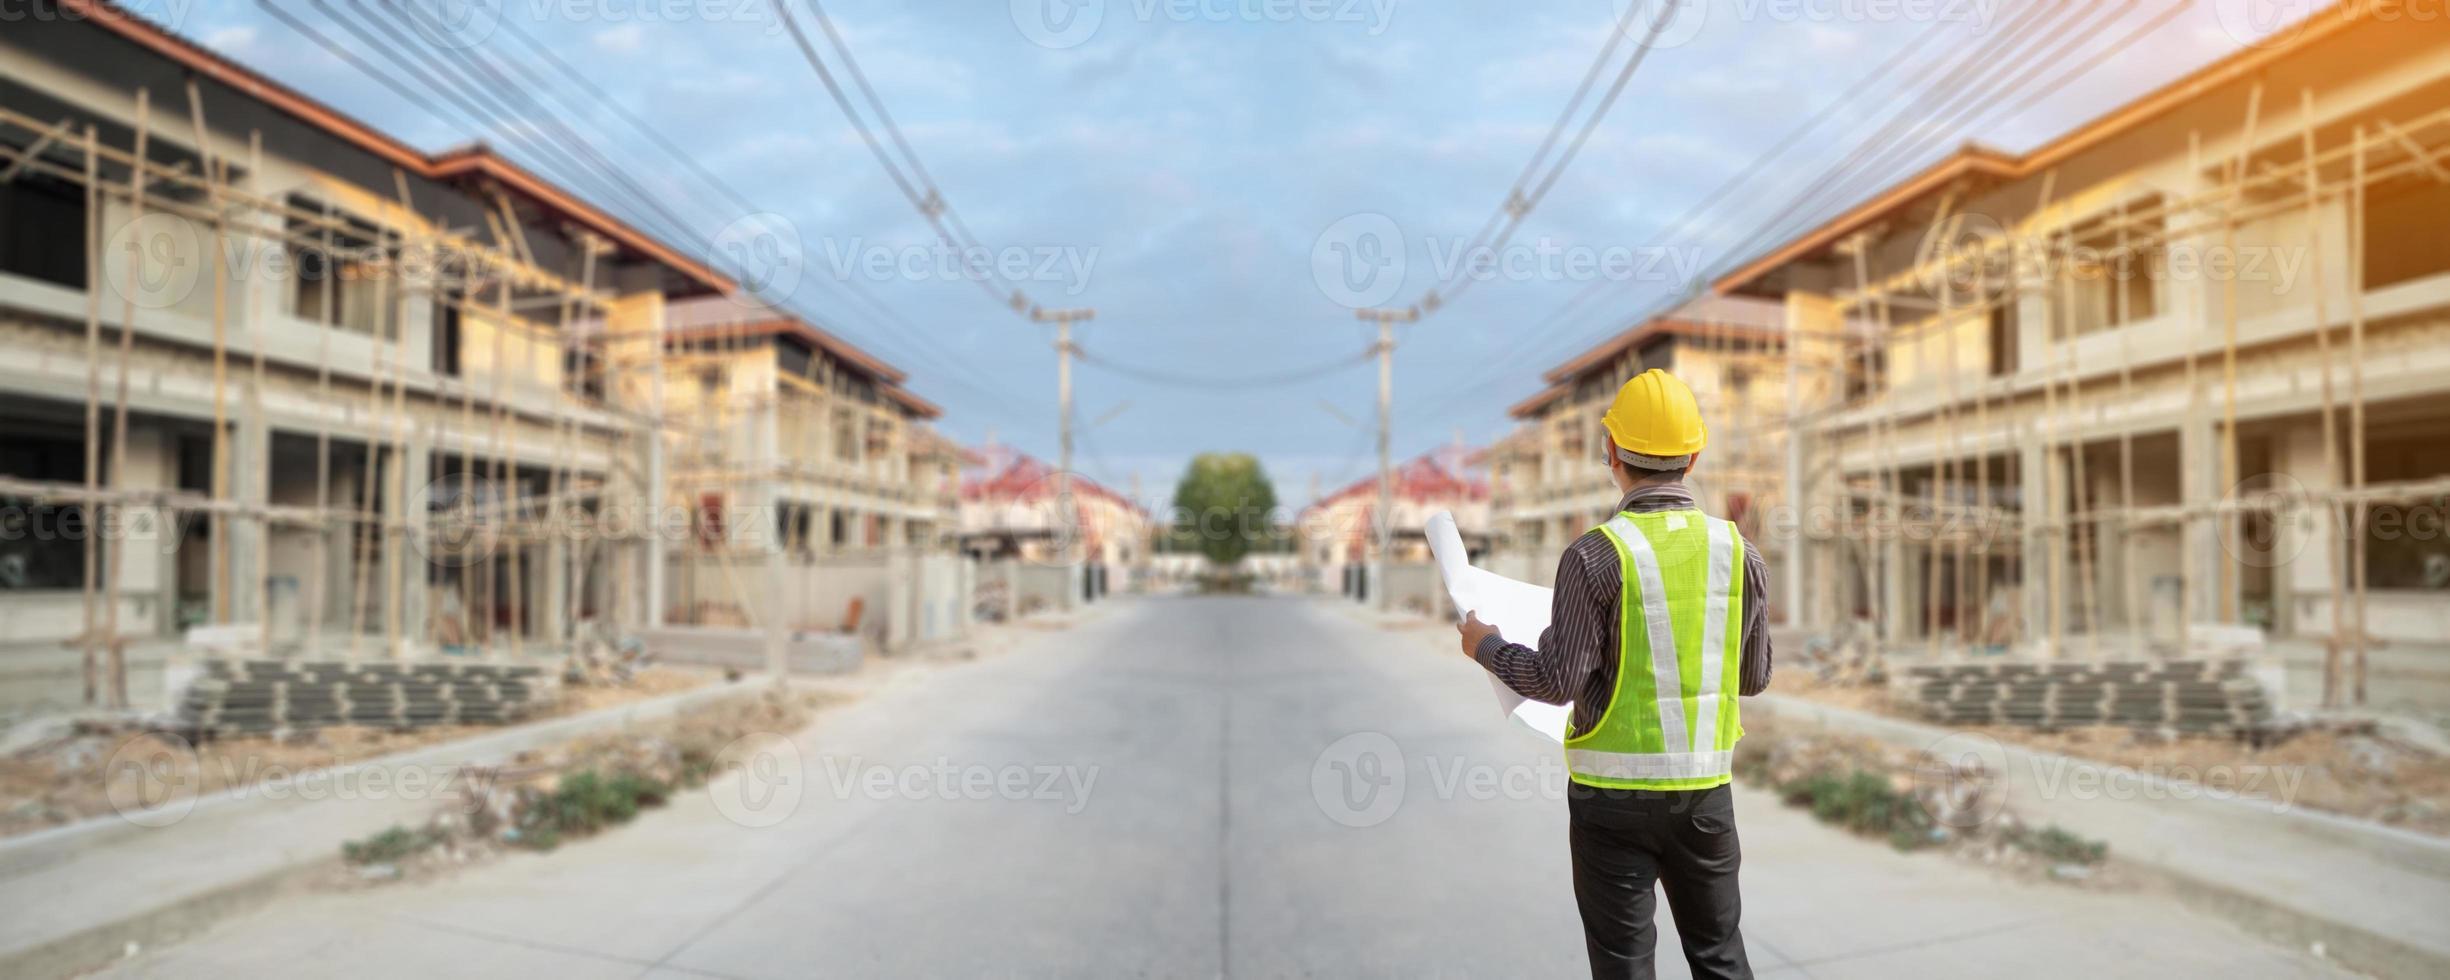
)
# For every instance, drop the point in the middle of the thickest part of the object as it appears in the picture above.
(1386, 320)
(1063, 320)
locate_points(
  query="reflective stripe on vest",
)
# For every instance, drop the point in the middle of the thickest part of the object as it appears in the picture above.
(1690, 751)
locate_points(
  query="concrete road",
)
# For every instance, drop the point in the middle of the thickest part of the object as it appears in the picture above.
(1177, 787)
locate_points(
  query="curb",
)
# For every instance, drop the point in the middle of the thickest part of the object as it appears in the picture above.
(226, 822)
(2176, 838)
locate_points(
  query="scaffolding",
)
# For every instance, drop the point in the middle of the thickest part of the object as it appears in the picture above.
(390, 248)
(1955, 279)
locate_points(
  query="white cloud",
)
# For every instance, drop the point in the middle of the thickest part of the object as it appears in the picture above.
(231, 40)
(621, 39)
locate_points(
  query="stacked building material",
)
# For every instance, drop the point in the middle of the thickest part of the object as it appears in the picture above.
(252, 697)
(2184, 696)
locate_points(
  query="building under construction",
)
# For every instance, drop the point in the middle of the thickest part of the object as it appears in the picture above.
(2171, 382)
(281, 376)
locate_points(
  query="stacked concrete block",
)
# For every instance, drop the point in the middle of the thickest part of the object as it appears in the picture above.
(253, 697)
(2185, 696)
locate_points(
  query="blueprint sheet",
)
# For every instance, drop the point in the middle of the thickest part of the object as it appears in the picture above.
(1519, 610)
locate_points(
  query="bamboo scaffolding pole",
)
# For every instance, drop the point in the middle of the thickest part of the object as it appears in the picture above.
(262, 567)
(1953, 476)
(217, 173)
(508, 436)
(2062, 334)
(329, 320)
(2357, 566)
(2334, 548)
(115, 548)
(504, 477)
(394, 560)
(94, 272)
(2129, 579)
(2080, 488)
(2227, 567)
(365, 535)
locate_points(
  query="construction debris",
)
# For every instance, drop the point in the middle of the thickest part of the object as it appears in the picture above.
(544, 798)
(61, 770)
(1914, 801)
(604, 658)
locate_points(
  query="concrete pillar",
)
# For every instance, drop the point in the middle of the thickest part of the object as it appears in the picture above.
(250, 484)
(2305, 548)
(146, 572)
(2199, 448)
(1804, 576)
(902, 589)
(553, 590)
(404, 505)
(2033, 555)
(640, 316)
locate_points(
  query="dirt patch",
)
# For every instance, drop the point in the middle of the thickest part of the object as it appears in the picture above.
(2353, 770)
(1916, 802)
(547, 797)
(84, 774)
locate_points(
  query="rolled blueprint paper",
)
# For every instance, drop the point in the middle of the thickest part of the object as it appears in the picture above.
(1519, 610)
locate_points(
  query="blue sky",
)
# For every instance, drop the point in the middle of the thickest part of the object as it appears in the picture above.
(1190, 157)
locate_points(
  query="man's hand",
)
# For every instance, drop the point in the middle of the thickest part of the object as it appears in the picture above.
(1473, 631)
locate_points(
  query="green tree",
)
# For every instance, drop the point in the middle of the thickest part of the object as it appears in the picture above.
(1224, 507)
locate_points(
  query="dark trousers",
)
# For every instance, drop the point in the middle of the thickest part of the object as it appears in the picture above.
(1626, 842)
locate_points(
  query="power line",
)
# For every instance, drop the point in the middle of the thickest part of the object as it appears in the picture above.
(1268, 379)
(1955, 67)
(931, 205)
(573, 146)
(1953, 111)
(1518, 203)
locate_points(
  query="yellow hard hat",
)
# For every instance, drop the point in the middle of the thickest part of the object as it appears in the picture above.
(1655, 422)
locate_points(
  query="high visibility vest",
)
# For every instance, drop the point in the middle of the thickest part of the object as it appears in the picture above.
(1671, 722)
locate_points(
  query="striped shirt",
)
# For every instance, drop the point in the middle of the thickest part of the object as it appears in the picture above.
(1576, 658)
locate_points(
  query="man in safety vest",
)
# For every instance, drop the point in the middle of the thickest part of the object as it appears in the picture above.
(1658, 625)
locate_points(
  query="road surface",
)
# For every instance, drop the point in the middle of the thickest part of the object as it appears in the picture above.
(1250, 787)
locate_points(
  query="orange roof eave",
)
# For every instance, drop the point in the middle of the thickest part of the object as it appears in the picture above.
(1606, 349)
(485, 161)
(1524, 408)
(817, 338)
(2316, 27)
(1968, 162)
(918, 406)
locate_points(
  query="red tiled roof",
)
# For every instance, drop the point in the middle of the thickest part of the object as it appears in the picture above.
(1424, 478)
(1008, 474)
